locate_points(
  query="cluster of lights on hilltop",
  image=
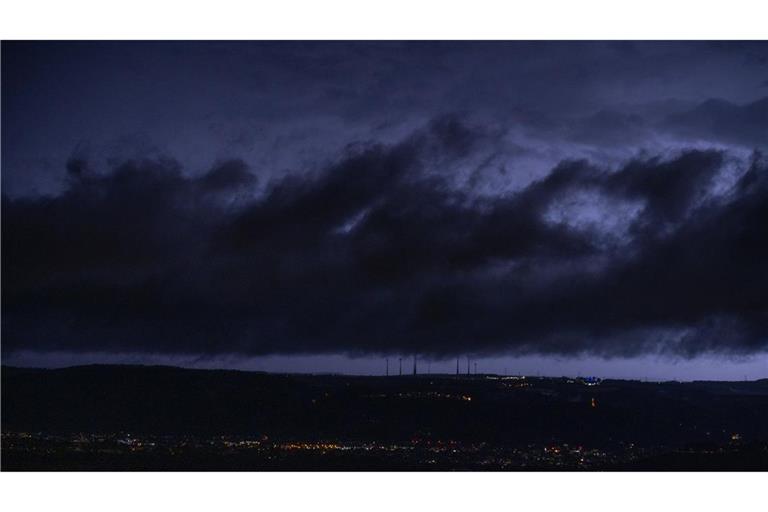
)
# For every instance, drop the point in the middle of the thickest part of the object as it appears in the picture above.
(586, 381)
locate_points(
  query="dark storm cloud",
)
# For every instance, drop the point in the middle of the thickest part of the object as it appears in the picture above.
(380, 252)
(586, 197)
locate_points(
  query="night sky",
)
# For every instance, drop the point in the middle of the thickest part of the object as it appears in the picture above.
(543, 207)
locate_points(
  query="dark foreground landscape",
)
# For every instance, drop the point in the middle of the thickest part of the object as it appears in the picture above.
(163, 418)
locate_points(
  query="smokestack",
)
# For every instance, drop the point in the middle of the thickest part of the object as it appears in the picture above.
(414, 365)
(457, 366)
(475, 368)
(387, 359)
(400, 360)
(467, 365)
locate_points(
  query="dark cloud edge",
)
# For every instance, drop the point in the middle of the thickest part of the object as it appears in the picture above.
(379, 254)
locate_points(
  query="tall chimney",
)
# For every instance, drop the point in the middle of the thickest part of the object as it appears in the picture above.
(400, 360)
(414, 364)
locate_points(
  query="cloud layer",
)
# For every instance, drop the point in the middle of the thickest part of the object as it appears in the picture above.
(382, 251)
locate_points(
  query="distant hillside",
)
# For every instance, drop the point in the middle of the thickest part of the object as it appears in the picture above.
(167, 400)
